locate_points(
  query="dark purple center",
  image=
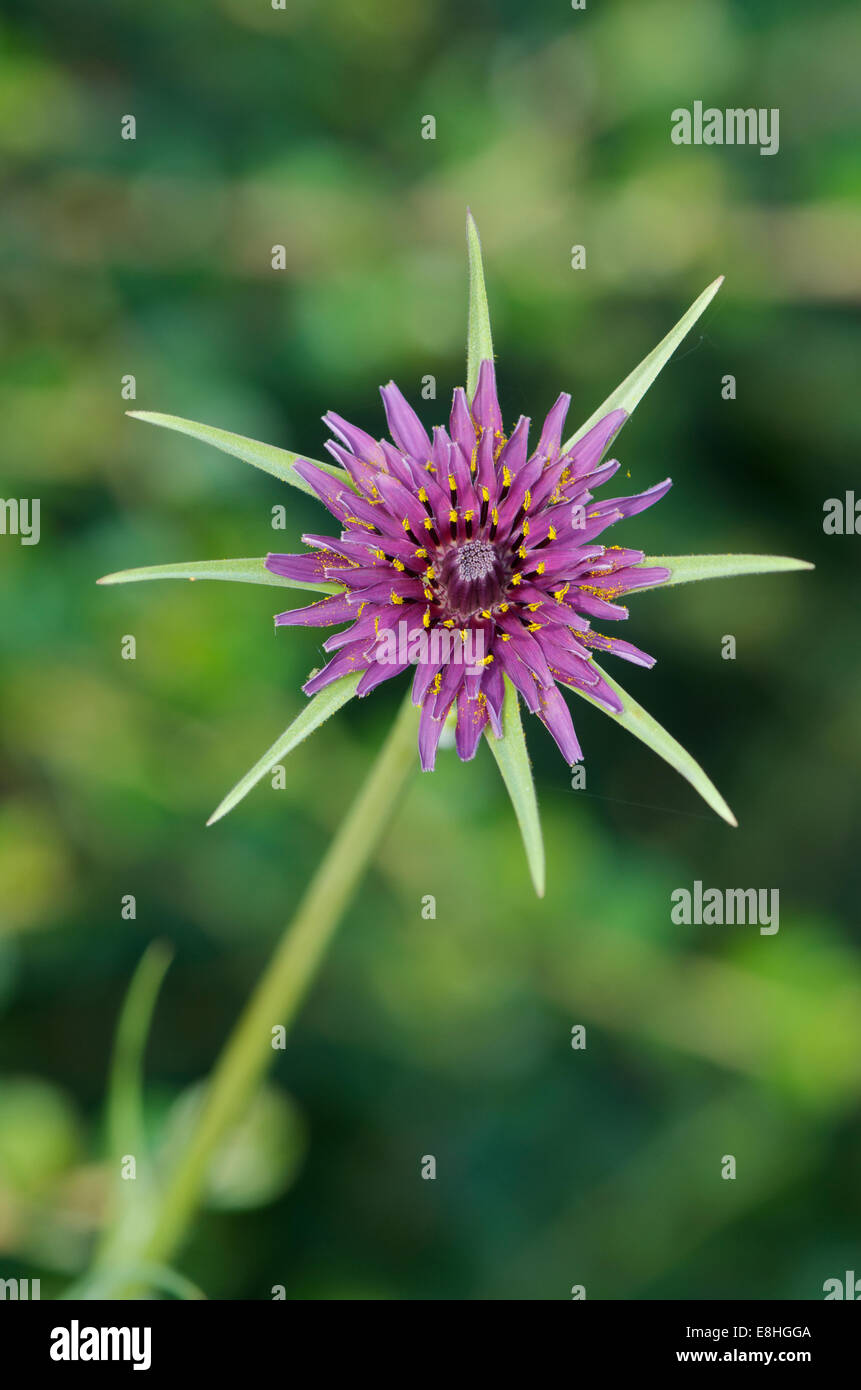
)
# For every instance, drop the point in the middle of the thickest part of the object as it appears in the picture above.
(472, 578)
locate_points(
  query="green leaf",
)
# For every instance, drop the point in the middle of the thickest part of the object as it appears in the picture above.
(132, 1202)
(132, 1277)
(513, 762)
(636, 720)
(687, 568)
(125, 1091)
(479, 344)
(634, 387)
(242, 571)
(279, 462)
(315, 713)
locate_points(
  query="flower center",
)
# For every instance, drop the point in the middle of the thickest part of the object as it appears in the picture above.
(472, 577)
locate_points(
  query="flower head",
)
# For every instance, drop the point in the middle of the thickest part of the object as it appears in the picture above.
(471, 558)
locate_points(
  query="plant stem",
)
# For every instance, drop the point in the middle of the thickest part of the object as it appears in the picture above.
(248, 1052)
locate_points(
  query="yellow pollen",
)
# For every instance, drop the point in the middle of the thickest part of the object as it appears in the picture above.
(494, 516)
(452, 516)
(451, 483)
(395, 598)
(399, 564)
(423, 497)
(428, 524)
(486, 660)
(551, 534)
(516, 579)
(541, 568)
(506, 477)
(522, 552)
(449, 622)
(426, 617)
(485, 494)
(527, 500)
(533, 627)
(421, 553)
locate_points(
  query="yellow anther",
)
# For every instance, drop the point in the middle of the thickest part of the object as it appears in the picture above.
(452, 516)
(494, 516)
(395, 598)
(541, 568)
(452, 483)
(485, 494)
(506, 477)
(399, 564)
(423, 497)
(428, 524)
(486, 660)
(421, 553)
(527, 500)
(551, 534)
(426, 617)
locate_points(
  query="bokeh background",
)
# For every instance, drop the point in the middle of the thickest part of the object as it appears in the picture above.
(448, 1037)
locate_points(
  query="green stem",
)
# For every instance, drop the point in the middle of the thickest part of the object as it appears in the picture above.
(248, 1051)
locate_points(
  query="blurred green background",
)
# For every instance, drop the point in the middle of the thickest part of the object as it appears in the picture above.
(448, 1037)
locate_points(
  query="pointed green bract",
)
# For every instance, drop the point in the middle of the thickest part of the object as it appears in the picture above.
(513, 762)
(279, 462)
(479, 344)
(252, 571)
(315, 713)
(685, 569)
(641, 724)
(634, 387)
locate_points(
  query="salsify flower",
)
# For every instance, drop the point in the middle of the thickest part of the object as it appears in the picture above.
(477, 560)
(469, 543)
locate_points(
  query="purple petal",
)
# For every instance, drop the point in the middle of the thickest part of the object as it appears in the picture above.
(405, 427)
(336, 609)
(556, 716)
(485, 404)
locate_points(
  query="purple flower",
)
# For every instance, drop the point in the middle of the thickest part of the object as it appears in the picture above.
(472, 558)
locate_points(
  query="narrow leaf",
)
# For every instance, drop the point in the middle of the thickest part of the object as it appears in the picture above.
(479, 344)
(315, 713)
(641, 724)
(125, 1090)
(513, 762)
(136, 1277)
(279, 462)
(242, 571)
(634, 387)
(684, 569)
